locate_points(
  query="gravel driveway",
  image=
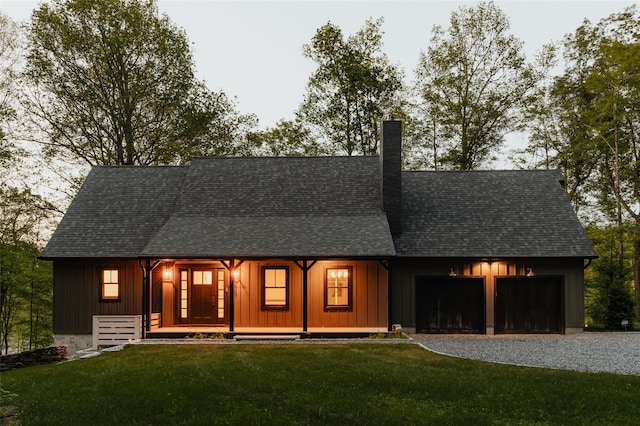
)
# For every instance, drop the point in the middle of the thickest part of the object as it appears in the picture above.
(595, 352)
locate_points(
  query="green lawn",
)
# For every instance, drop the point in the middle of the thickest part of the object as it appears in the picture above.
(367, 383)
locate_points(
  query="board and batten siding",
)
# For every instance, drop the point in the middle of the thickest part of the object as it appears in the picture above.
(369, 296)
(77, 290)
(404, 273)
(248, 297)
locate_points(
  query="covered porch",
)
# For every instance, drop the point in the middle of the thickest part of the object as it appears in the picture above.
(227, 298)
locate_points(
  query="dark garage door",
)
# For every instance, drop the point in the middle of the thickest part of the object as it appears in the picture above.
(449, 305)
(529, 305)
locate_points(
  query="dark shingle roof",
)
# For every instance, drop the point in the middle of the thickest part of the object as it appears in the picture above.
(221, 207)
(277, 207)
(292, 186)
(314, 207)
(489, 214)
(115, 213)
(284, 236)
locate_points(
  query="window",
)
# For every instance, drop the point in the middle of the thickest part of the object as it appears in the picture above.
(110, 284)
(184, 295)
(275, 288)
(338, 289)
(202, 277)
(220, 294)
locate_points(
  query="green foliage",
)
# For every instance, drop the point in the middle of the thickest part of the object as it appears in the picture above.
(389, 335)
(286, 139)
(472, 83)
(205, 336)
(608, 290)
(358, 384)
(8, 411)
(6, 396)
(26, 300)
(25, 282)
(9, 58)
(613, 301)
(113, 82)
(557, 137)
(597, 98)
(352, 89)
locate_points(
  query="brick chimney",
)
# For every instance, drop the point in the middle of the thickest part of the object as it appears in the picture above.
(390, 170)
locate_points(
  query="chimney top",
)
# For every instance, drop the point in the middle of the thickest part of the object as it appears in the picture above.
(391, 171)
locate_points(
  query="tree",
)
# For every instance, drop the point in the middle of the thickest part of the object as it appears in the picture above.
(557, 132)
(608, 295)
(286, 139)
(223, 131)
(541, 116)
(25, 282)
(9, 58)
(112, 82)
(473, 81)
(599, 99)
(352, 89)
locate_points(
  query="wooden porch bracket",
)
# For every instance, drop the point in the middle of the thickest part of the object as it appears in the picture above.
(231, 267)
(305, 266)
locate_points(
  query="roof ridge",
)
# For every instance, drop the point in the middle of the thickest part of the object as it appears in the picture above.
(296, 157)
(485, 171)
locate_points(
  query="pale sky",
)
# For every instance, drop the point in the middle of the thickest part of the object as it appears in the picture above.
(253, 49)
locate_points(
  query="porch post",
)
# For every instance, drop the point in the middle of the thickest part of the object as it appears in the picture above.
(305, 266)
(389, 300)
(231, 294)
(147, 298)
(305, 292)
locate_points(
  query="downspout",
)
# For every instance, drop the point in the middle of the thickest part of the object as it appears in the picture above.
(144, 267)
(147, 267)
(385, 265)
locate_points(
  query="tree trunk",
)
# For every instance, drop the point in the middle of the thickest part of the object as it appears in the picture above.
(31, 341)
(636, 273)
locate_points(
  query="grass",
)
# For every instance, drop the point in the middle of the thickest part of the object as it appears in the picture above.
(366, 383)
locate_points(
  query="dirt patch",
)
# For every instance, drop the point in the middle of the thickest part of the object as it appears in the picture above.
(9, 415)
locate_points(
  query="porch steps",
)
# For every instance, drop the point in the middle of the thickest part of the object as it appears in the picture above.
(269, 337)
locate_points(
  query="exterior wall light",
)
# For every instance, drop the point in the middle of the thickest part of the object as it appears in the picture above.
(530, 272)
(452, 273)
(167, 273)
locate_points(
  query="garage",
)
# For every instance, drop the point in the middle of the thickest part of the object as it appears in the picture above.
(450, 305)
(529, 305)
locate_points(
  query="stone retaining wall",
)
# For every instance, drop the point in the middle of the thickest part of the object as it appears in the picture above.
(37, 357)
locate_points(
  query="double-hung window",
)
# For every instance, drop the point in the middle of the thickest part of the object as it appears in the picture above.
(110, 284)
(338, 289)
(275, 288)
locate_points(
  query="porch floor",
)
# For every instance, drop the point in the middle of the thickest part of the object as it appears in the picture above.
(183, 331)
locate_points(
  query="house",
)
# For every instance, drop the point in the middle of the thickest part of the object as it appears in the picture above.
(318, 247)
